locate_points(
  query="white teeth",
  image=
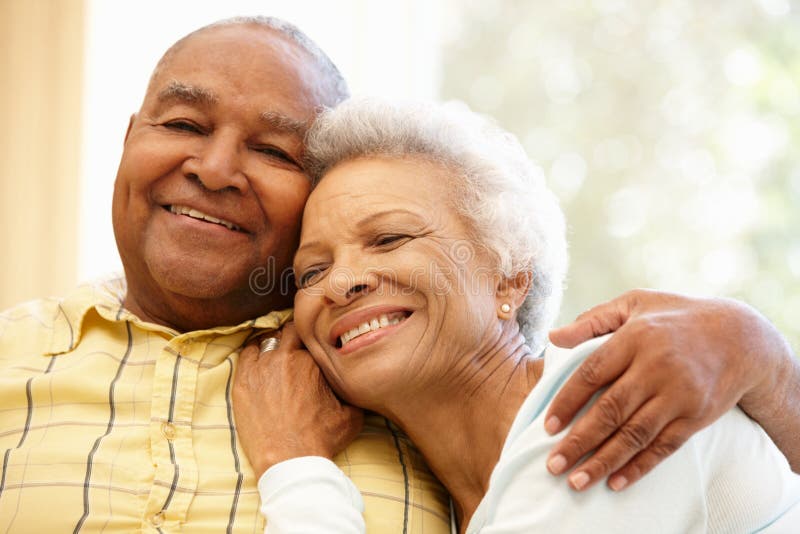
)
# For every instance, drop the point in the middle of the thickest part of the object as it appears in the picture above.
(381, 321)
(195, 214)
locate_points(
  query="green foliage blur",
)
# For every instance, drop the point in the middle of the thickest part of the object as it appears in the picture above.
(669, 129)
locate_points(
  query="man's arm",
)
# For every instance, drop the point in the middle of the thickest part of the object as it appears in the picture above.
(674, 365)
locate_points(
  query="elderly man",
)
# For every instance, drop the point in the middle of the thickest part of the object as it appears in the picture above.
(116, 404)
(116, 409)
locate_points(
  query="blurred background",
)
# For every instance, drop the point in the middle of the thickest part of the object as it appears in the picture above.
(669, 129)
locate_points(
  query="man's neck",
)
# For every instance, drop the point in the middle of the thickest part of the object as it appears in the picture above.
(187, 315)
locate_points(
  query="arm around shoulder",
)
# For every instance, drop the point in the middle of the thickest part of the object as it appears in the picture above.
(775, 402)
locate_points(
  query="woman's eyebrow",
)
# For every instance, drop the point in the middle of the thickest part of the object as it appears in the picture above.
(371, 218)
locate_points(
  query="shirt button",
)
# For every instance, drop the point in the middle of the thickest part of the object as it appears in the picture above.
(158, 519)
(169, 431)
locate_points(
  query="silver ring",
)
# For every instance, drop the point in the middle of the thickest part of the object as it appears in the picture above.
(269, 343)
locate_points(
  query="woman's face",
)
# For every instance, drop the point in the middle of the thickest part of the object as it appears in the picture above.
(395, 297)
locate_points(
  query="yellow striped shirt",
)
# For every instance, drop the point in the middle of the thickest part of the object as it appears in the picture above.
(112, 424)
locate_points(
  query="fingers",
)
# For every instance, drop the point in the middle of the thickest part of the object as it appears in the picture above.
(287, 341)
(599, 320)
(606, 364)
(290, 340)
(611, 413)
(355, 418)
(247, 359)
(671, 438)
(633, 436)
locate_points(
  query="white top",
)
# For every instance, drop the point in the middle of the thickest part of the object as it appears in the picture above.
(728, 478)
(310, 494)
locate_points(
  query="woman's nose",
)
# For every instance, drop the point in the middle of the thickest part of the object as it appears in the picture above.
(346, 285)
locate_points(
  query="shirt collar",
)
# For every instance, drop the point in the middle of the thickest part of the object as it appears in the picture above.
(107, 297)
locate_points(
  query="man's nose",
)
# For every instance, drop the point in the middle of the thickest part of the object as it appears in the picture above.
(218, 166)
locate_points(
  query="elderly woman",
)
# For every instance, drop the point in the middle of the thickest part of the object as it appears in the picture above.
(430, 266)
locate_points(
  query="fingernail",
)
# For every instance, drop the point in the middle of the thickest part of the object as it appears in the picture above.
(579, 480)
(618, 483)
(556, 464)
(552, 425)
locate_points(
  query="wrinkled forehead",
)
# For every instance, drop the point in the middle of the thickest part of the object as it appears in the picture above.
(241, 54)
(373, 183)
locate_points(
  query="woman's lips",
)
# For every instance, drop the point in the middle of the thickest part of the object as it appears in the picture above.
(366, 323)
(381, 321)
(367, 338)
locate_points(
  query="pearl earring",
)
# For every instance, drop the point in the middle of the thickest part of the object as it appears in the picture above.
(505, 308)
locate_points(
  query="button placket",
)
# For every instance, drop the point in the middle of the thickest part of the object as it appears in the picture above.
(169, 431)
(158, 519)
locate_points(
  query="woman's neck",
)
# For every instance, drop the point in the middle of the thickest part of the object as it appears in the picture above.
(461, 427)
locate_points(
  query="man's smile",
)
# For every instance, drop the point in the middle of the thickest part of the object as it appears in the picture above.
(179, 209)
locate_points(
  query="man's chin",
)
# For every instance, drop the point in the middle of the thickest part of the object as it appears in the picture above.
(197, 279)
(201, 286)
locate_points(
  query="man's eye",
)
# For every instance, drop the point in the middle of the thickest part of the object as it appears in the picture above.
(277, 153)
(184, 126)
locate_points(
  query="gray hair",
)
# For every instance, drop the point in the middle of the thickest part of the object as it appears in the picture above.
(338, 89)
(499, 191)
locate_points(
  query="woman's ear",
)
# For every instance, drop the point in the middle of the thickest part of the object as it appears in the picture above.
(511, 293)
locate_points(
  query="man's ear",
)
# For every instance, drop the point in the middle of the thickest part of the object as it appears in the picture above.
(130, 125)
(511, 293)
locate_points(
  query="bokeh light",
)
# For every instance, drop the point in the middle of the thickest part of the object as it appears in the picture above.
(669, 129)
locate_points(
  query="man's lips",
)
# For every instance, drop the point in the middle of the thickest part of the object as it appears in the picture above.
(179, 209)
(362, 322)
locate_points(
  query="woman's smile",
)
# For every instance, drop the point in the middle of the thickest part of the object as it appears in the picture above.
(369, 331)
(383, 284)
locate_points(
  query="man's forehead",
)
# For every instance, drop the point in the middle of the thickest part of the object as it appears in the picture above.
(191, 71)
(234, 41)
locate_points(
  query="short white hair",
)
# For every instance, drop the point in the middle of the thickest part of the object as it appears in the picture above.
(337, 86)
(500, 192)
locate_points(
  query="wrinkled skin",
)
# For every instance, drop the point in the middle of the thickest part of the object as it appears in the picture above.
(674, 365)
(201, 141)
(284, 408)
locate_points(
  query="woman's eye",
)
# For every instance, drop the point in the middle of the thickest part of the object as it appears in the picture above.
(389, 239)
(184, 126)
(308, 277)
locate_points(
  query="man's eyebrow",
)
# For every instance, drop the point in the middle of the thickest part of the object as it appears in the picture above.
(176, 91)
(285, 124)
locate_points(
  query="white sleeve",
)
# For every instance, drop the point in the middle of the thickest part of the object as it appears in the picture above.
(749, 483)
(310, 494)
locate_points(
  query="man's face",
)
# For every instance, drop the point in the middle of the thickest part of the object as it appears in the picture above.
(210, 186)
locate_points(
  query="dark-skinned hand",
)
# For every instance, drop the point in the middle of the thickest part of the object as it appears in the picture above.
(673, 366)
(285, 409)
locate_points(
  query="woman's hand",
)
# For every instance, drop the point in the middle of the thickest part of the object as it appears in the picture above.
(285, 409)
(674, 365)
